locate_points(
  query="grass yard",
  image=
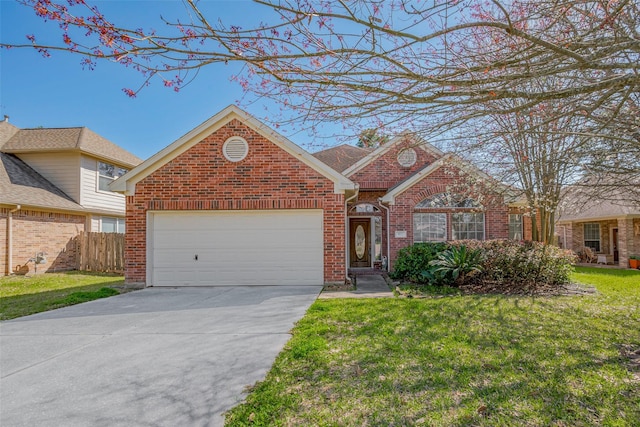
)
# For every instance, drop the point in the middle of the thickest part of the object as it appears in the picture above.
(21, 296)
(460, 361)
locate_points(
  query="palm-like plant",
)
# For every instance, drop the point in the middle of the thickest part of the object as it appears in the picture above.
(459, 262)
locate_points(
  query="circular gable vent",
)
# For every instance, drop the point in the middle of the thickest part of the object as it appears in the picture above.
(407, 157)
(235, 149)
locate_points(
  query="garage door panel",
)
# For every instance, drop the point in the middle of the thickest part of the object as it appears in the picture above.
(277, 247)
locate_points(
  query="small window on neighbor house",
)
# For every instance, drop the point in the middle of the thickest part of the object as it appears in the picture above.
(467, 226)
(111, 225)
(429, 227)
(107, 173)
(515, 227)
(592, 236)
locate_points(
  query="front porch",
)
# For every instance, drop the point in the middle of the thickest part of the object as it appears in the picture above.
(612, 241)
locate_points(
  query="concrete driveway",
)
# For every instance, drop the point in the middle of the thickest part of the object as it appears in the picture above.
(159, 356)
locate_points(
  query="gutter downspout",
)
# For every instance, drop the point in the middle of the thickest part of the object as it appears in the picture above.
(388, 233)
(9, 265)
(346, 233)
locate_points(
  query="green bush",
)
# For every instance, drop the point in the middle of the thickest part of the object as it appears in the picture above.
(458, 263)
(501, 262)
(413, 261)
(526, 263)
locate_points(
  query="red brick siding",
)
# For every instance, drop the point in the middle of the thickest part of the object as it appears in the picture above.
(202, 179)
(33, 232)
(385, 172)
(441, 180)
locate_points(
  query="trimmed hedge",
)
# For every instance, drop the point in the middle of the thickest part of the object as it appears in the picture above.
(504, 262)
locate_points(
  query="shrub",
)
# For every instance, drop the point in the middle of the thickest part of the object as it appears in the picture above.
(501, 262)
(526, 263)
(413, 262)
(458, 263)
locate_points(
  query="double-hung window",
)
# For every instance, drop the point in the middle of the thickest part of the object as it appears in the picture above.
(467, 225)
(107, 173)
(515, 226)
(429, 227)
(592, 236)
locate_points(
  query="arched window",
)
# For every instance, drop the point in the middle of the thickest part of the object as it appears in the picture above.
(365, 208)
(448, 200)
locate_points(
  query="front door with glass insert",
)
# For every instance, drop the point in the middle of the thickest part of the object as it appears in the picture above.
(359, 242)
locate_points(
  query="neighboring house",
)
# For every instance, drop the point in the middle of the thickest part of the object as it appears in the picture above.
(234, 202)
(54, 183)
(611, 228)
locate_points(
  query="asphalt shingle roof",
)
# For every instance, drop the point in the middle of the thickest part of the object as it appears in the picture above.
(583, 204)
(64, 139)
(340, 158)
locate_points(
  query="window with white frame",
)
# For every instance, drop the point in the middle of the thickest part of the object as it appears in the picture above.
(592, 236)
(107, 173)
(515, 227)
(429, 227)
(111, 224)
(467, 225)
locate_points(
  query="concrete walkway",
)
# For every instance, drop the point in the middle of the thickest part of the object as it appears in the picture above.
(367, 286)
(155, 357)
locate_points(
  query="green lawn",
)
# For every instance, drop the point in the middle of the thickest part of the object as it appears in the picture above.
(21, 296)
(460, 361)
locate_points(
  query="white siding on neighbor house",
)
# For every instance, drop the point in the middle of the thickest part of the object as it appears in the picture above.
(95, 223)
(90, 197)
(61, 169)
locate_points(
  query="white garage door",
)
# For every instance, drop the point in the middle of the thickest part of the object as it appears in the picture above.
(273, 247)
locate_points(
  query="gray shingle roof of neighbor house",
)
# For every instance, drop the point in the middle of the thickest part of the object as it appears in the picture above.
(21, 185)
(581, 204)
(79, 139)
(341, 157)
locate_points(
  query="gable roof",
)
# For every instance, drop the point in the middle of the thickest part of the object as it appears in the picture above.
(126, 183)
(391, 195)
(80, 139)
(21, 185)
(341, 157)
(380, 151)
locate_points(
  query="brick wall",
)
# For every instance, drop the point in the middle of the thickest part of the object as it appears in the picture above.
(34, 232)
(202, 179)
(385, 172)
(446, 178)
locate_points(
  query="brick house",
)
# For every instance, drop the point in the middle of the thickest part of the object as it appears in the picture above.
(234, 202)
(611, 228)
(53, 185)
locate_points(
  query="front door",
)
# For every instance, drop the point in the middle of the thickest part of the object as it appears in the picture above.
(359, 243)
(614, 237)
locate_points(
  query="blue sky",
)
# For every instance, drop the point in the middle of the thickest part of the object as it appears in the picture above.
(57, 92)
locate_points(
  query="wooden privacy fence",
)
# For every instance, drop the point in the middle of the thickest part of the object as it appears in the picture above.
(101, 252)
